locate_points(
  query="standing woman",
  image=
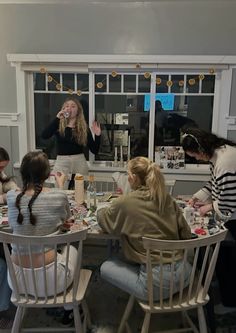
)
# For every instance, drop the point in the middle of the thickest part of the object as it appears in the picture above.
(72, 136)
(219, 194)
(6, 183)
(146, 211)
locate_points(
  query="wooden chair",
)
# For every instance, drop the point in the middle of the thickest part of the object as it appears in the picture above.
(71, 296)
(170, 183)
(204, 252)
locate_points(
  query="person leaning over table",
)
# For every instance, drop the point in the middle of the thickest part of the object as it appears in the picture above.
(146, 211)
(72, 136)
(6, 183)
(219, 194)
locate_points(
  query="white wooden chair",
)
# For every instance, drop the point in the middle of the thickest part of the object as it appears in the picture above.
(204, 253)
(71, 296)
(170, 183)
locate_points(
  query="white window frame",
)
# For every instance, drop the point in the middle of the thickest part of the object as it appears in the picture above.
(25, 64)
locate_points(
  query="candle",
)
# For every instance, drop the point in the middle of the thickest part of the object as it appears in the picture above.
(115, 159)
(121, 153)
(128, 152)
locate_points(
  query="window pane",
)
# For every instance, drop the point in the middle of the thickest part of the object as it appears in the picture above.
(129, 83)
(178, 83)
(83, 82)
(121, 116)
(100, 83)
(46, 107)
(144, 83)
(208, 84)
(161, 83)
(115, 83)
(56, 79)
(189, 111)
(68, 81)
(192, 84)
(39, 81)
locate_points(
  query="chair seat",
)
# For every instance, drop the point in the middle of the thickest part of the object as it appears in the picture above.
(85, 275)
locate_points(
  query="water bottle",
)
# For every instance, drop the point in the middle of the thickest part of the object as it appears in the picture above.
(79, 189)
(91, 194)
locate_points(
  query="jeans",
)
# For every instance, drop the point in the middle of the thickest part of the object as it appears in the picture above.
(5, 290)
(132, 278)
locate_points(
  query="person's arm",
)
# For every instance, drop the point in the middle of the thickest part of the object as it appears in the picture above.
(203, 195)
(93, 144)
(111, 219)
(51, 129)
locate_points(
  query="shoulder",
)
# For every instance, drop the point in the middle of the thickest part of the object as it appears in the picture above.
(55, 194)
(225, 157)
(11, 195)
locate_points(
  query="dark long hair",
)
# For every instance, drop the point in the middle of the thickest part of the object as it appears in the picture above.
(34, 169)
(4, 157)
(196, 140)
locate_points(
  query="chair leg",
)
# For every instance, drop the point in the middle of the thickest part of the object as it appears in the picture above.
(126, 314)
(201, 320)
(17, 320)
(87, 318)
(146, 322)
(77, 319)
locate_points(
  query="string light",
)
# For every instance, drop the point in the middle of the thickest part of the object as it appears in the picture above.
(114, 74)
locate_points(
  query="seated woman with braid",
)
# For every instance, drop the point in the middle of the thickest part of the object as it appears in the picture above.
(39, 211)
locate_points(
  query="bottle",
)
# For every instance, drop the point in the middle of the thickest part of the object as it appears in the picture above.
(91, 194)
(79, 188)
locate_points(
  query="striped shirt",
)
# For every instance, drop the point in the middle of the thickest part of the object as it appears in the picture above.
(221, 188)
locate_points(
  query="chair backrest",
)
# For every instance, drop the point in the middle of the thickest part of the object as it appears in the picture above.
(31, 284)
(170, 183)
(202, 253)
(104, 183)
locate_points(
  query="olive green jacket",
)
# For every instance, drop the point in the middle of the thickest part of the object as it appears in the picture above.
(135, 215)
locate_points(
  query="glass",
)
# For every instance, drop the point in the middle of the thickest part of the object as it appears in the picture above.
(208, 84)
(178, 84)
(130, 83)
(124, 124)
(161, 83)
(189, 111)
(83, 82)
(100, 83)
(68, 82)
(52, 85)
(115, 83)
(39, 81)
(192, 84)
(46, 107)
(144, 84)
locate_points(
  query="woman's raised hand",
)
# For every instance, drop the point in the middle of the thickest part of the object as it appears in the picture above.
(96, 128)
(60, 179)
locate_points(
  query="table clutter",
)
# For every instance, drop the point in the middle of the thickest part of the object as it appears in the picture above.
(200, 225)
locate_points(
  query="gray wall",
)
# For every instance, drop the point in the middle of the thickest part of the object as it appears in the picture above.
(159, 27)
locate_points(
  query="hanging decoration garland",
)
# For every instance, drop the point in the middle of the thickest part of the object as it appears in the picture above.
(114, 74)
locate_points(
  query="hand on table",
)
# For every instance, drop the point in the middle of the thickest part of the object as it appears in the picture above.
(192, 201)
(203, 210)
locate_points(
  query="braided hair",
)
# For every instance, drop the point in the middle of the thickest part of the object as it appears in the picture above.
(34, 169)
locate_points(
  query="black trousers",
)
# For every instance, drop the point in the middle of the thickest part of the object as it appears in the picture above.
(225, 267)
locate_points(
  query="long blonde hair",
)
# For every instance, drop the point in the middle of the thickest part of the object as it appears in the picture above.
(81, 129)
(148, 173)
